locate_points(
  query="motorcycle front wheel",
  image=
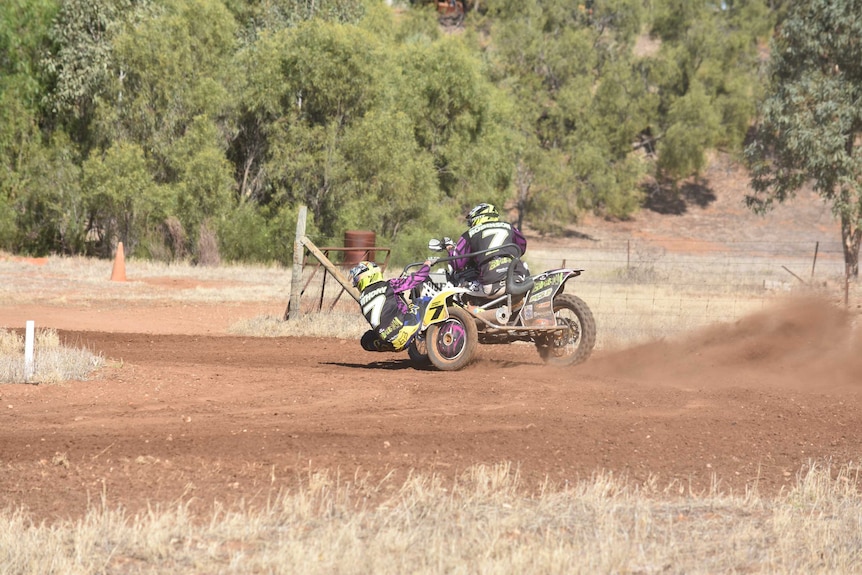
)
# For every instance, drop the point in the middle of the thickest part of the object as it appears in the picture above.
(452, 343)
(577, 341)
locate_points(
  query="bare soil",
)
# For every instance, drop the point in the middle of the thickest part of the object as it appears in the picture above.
(183, 412)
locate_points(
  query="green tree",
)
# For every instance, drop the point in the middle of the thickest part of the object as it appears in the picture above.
(24, 26)
(705, 76)
(172, 66)
(580, 101)
(252, 233)
(52, 215)
(124, 202)
(693, 125)
(392, 177)
(274, 15)
(19, 139)
(310, 85)
(366, 130)
(79, 59)
(811, 119)
(169, 93)
(459, 117)
(204, 183)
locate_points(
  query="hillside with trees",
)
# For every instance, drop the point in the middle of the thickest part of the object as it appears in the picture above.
(193, 129)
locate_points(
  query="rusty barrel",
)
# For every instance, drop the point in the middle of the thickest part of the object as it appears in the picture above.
(361, 240)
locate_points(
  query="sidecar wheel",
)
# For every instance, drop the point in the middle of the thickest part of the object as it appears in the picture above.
(418, 352)
(577, 341)
(452, 343)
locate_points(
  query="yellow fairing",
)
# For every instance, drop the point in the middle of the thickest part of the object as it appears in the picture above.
(436, 310)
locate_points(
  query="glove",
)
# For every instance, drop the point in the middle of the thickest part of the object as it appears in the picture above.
(431, 261)
(448, 242)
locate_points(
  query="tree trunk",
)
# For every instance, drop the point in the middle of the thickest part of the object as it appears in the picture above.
(851, 235)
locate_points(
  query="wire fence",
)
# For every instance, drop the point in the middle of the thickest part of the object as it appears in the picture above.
(641, 290)
(686, 261)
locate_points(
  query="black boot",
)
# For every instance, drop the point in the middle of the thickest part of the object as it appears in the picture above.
(371, 342)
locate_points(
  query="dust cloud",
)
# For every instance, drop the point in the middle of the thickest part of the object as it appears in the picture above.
(801, 344)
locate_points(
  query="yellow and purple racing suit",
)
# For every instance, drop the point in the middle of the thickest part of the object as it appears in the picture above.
(494, 264)
(393, 320)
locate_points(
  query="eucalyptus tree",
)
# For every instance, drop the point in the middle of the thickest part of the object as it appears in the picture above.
(52, 216)
(810, 121)
(169, 95)
(19, 138)
(76, 64)
(256, 18)
(581, 102)
(306, 87)
(260, 23)
(24, 26)
(705, 73)
(121, 197)
(367, 127)
(171, 67)
(204, 186)
(460, 119)
(79, 60)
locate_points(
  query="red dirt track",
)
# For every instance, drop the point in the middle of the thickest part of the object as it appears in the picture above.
(195, 416)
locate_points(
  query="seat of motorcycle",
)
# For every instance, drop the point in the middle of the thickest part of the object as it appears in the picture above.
(515, 287)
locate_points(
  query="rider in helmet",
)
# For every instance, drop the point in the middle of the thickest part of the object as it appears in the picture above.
(486, 231)
(393, 320)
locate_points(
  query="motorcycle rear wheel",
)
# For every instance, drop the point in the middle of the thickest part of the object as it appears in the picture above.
(578, 341)
(452, 343)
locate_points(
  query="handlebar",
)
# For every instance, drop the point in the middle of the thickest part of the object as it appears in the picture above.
(453, 258)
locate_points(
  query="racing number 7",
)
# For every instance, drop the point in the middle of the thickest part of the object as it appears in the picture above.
(375, 308)
(437, 310)
(498, 237)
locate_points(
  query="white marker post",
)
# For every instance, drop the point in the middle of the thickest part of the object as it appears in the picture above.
(28, 350)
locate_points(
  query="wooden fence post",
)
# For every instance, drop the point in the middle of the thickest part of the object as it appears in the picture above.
(294, 310)
(814, 261)
(628, 254)
(302, 243)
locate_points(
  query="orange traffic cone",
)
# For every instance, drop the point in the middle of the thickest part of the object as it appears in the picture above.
(118, 274)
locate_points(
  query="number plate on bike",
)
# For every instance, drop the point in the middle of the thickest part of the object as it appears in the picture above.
(539, 307)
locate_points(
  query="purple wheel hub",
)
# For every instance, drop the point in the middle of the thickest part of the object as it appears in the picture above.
(451, 339)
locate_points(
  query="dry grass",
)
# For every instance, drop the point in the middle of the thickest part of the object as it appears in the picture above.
(645, 292)
(77, 280)
(52, 362)
(484, 522)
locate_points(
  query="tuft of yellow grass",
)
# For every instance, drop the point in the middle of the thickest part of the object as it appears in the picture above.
(52, 362)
